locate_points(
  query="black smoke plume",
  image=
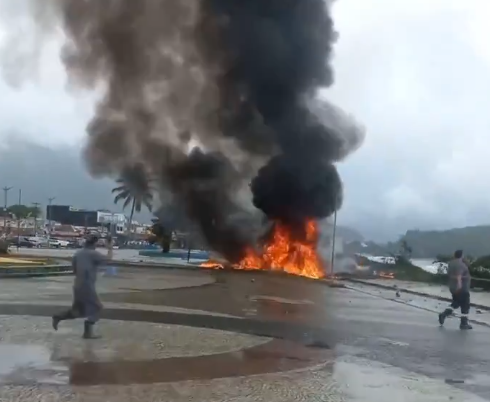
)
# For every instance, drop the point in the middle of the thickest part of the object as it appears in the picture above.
(211, 95)
(277, 55)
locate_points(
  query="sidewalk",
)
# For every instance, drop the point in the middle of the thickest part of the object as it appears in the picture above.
(431, 298)
(479, 300)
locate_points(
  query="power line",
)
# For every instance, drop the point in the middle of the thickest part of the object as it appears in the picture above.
(6, 190)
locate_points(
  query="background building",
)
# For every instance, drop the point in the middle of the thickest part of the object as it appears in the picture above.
(68, 215)
(118, 221)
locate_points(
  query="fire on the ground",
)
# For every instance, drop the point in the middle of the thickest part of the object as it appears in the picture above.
(284, 253)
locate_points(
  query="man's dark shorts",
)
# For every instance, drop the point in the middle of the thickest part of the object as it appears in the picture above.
(461, 300)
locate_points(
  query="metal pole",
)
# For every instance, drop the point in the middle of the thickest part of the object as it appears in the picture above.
(18, 220)
(110, 243)
(332, 260)
(5, 197)
(36, 210)
(48, 217)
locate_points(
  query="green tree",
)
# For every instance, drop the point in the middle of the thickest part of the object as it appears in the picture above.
(24, 211)
(161, 235)
(134, 188)
(4, 247)
(405, 249)
(443, 258)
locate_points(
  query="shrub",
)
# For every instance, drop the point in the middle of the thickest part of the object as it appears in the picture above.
(443, 258)
(480, 268)
(4, 247)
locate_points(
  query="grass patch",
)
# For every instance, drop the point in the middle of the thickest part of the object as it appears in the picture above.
(14, 261)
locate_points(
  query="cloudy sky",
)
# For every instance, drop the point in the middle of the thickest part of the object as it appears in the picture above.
(416, 73)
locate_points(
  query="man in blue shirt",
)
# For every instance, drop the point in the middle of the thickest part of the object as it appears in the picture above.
(86, 263)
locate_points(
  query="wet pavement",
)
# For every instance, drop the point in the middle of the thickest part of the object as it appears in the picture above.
(479, 298)
(434, 301)
(242, 336)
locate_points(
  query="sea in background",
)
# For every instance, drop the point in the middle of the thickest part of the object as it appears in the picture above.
(427, 264)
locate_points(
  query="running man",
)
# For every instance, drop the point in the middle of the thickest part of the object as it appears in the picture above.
(459, 286)
(86, 304)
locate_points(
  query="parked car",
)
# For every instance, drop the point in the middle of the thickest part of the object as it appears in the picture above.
(22, 242)
(54, 243)
(58, 243)
(73, 244)
(38, 241)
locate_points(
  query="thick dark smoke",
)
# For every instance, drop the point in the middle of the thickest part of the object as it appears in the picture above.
(293, 188)
(204, 182)
(277, 54)
(236, 78)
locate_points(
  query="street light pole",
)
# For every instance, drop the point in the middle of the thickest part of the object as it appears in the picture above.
(48, 217)
(36, 210)
(18, 220)
(6, 190)
(332, 259)
(110, 242)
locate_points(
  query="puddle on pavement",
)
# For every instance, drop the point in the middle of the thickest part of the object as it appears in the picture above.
(27, 364)
(364, 380)
(479, 379)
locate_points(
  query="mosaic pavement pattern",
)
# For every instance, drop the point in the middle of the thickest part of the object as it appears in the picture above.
(191, 336)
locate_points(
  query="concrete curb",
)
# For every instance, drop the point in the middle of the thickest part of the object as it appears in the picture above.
(188, 267)
(413, 292)
(28, 271)
(125, 263)
(135, 264)
(35, 274)
(164, 265)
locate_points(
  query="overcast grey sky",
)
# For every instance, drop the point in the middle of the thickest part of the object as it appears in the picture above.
(416, 73)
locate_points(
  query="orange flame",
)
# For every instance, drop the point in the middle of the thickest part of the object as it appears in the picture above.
(284, 253)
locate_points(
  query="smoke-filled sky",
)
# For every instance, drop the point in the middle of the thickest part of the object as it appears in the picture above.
(415, 73)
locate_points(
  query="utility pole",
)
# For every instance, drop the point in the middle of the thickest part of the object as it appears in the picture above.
(36, 206)
(5, 204)
(48, 217)
(110, 243)
(18, 220)
(332, 259)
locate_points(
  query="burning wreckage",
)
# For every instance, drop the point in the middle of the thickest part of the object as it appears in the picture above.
(283, 252)
(209, 96)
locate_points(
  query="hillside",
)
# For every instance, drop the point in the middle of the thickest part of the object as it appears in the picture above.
(348, 234)
(370, 248)
(474, 240)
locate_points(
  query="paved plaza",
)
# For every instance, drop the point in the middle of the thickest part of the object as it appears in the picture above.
(210, 336)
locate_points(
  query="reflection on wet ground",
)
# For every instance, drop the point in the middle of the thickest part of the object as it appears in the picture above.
(347, 336)
(13, 355)
(260, 294)
(274, 356)
(26, 365)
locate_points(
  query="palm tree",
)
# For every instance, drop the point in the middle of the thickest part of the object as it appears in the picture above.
(406, 250)
(134, 187)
